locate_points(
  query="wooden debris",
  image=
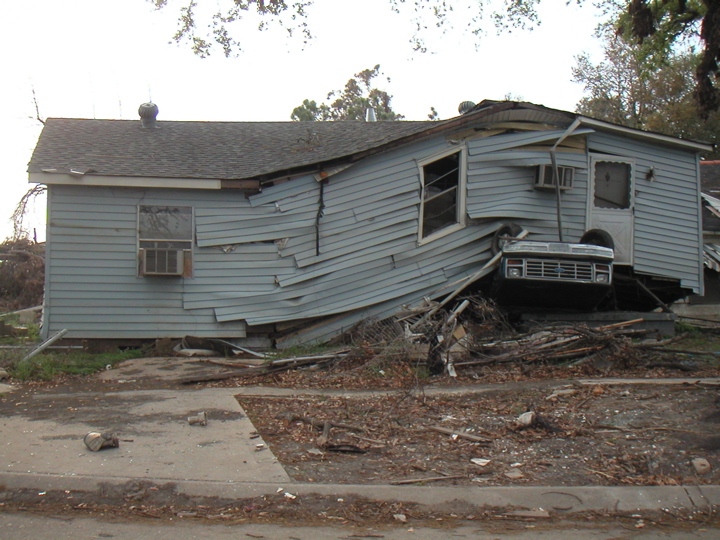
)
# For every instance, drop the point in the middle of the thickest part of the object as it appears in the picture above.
(429, 479)
(270, 366)
(290, 418)
(460, 434)
(322, 440)
(552, 344)
(345, 449)
(371, 441)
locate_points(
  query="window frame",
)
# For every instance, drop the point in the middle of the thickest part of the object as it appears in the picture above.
(603, 158)
(182, 244)
(461, 196)
(563, 172)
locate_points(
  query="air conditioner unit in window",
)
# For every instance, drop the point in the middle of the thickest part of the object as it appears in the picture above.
(545, 180)
(163, 262)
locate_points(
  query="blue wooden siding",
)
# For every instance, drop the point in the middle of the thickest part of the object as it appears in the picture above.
(268, 258)
(668, 233)
(501, 185)
(92, 286)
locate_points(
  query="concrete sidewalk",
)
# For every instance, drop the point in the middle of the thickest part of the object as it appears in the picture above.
(156, 440)
(42, 449)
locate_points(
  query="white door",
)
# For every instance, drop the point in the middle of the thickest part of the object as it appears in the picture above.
(611, 205)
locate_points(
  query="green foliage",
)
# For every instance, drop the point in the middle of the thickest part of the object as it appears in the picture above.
(306, 349)
(629, 89)
(22, 274)
(210, 25)
(350, 103)
(207, 25)
(660, 26)
(31, 333)
(684, 327)
(48, 365)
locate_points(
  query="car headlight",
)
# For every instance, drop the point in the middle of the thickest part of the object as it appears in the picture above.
(514, 272)
(602, 278)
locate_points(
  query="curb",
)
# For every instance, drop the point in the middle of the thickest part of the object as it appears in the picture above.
(558, 498)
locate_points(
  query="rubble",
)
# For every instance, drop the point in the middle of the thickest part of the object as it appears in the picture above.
(200, 419)
(701, 465)
(96, 441)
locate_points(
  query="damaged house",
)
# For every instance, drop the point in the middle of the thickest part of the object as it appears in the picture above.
(297, 230)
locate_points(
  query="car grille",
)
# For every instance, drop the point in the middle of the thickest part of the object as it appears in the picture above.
(560, 270)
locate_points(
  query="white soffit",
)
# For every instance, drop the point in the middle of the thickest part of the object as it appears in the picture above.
(51, 178)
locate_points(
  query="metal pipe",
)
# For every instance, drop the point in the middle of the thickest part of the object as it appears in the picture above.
(556, 176)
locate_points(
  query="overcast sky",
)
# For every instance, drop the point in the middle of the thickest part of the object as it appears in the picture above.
(103, 58)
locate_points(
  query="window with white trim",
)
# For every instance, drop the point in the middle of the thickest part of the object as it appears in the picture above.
(165, 239)
(442, 208)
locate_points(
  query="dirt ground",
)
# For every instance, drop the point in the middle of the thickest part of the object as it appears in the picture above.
(582, 434)
(594, 434)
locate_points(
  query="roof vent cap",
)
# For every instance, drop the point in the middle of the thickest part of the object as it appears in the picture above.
(370, 115)
(148, 114)
(466, 107)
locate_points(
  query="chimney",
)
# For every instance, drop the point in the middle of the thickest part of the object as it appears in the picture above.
(148, 115)
(370, 115)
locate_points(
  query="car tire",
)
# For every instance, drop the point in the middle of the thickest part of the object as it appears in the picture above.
(598, 237)
(506, 229)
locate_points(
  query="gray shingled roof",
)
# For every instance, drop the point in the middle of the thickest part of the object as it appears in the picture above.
(245, 150)
(213, 150)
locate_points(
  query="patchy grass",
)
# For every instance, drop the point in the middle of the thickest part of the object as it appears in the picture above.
(27, 333)
(701, 339)
(311, 349)
(47, 366)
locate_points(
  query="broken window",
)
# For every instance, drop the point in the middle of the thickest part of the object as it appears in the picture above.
(613, 180)
(443, 181)
(165, 238)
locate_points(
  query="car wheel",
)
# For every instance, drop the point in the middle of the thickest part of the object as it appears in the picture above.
(598, 237)
(499, 238)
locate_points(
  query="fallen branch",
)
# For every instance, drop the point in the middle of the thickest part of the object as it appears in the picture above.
(459, 434)
(678, 351)
(319, 424)
(271, 367)
(371, 441)
(429, 479)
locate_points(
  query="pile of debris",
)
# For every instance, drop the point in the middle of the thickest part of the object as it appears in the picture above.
(474, 333)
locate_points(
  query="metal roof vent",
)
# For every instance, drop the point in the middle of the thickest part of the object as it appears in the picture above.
(148, 115)
(370, 115)
(466, 107)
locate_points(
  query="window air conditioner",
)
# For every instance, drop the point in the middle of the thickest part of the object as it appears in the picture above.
(544, 178)
(163, 262)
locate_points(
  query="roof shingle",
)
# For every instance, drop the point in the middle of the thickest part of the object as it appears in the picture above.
(210, 150)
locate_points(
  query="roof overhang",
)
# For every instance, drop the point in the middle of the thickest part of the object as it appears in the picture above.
(77, 179)
(654, 137)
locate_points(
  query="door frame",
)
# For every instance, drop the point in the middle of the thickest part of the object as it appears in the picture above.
(597, 218)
